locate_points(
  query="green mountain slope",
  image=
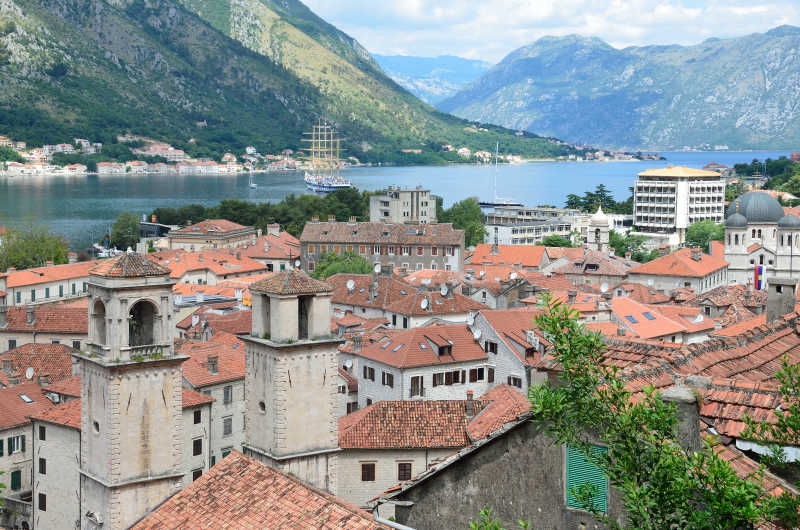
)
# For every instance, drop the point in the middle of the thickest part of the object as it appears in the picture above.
(259, 73)
(741, 92)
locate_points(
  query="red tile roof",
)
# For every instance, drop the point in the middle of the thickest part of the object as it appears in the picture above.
(230, 362)
(596, 263)
(511, 325)
(283, 246)
(734, 330)
(680, 263)
(51, 360)
(527, 256)
(641, 293)
(14, 411)
(242, 493)
(48, 319)
(352, 382)
(634, 316)
(220, 262)
(419, 347)
(718, 249)
(237, 322)
(290, 282)
(382, 233)
(67, 414)
(505, 405)
(129, 265)
(70, 386)
(191, 398)
(49, 274)
(572, 254)
(211, 227)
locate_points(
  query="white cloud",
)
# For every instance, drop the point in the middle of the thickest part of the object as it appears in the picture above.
(489, 29)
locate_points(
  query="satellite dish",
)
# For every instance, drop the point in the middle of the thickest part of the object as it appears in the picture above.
(425, 281)
(604, 287)
(297, 263)
(351, 285)
(443, 290)
(348, 363)
(29, 373)
(513, 276)
(476, 334)
(482, 274)
(424, 303)
(650, 281)
(698, 319)
(377, 268)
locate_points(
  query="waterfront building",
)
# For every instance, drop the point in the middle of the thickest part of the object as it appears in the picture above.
(40, 285)
(759, 233)
(211, 234)
(424, 246)
(668, 200)
(506, 215)
(397, 205)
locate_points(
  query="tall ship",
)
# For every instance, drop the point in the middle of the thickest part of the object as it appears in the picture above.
(326, 164)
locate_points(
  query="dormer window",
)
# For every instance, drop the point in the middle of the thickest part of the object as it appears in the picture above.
(213, 365)
(445, 350)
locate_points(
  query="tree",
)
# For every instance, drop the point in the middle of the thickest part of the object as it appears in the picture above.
(488, 521)
(555, 241)
(700, 233)
(349, 262)
(32, 246)
(9, 155)
(465, 215)
(633, 244)
(661, 483)
(125, 231)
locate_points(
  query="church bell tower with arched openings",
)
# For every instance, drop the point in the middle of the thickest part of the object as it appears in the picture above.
(131, 422)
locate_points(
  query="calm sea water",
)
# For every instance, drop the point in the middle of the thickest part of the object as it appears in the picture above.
(83, 208)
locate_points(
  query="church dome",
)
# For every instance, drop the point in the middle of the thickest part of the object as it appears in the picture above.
(789, 221)
(757, 207)
(599, 218)
(736, 220)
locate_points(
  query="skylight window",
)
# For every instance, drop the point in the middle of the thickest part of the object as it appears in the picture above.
(25, 398)
(386, 345)
(397, 348)
(422, 346)
(362, 289)
(587, 298)
(403, 292)
(648, 315)
(630, 319)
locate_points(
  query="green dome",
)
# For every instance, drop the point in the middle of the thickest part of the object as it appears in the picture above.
(757, 207)
(736, 220)
(789, 221)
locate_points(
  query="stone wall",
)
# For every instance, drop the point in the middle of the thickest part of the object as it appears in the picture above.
(61, 450)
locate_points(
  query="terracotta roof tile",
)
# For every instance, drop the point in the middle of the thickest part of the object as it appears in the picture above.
(420, 346)
(70, 386)
(680, 263)
(219, 262)
(511, 325)
(129, 265)
(211, 226)
(230, 362)
(237, 322)
(596, 263)
(505, 405)
(527, 256)
(352, 382)
(281, 246)
(641, 293)
(291, 282)
(241, 493)
(53, 361)
(67, 414)
(377, 233)
(49, 274)
(15, 411)
(47, 319)
(191, 398)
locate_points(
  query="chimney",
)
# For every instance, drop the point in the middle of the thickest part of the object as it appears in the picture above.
(470, 405)
(495, 250)
(620, 331)
(697, 254)
(3, 315)
(780, 298)
(356, 342)
(331, 218)
(200, 257)
(572, 296)
(49, 263)
(213, 364)
(31, 316)
(387, 269)
(607, 297)
(352, 220)
(273, 229)
(663, 250)
(627, 256)
(238, 255)
(687, 412)
(315, 219)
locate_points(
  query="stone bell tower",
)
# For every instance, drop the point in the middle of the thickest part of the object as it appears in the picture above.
(290, 382)
(599, 231)
(131, 422)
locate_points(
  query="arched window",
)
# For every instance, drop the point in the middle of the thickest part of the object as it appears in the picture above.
(754, 233)
(759, 233)
(774, 233)
(729, 239)
(736, 239)
(781, 239)
(141, 324)
(761, 259)
(99, 320)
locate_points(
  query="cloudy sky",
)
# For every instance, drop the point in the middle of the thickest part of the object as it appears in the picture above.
(489, 29)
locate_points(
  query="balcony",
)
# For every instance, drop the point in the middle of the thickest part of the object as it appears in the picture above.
(16, 509)
(148, 351)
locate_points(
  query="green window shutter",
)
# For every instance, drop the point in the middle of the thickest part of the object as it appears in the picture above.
(581, 471)
(16, 480)
(9, 444)
(213, 460)
(1, 447)
(22, 443)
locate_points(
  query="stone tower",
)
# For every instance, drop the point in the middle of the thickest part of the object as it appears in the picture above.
(131, 422)
(781, 297)
(599, 229)
(290, 382)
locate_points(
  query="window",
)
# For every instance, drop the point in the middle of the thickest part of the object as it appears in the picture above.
(33, 295)
(311, 265)
(16, 480)
(490, 375)
(42, 502)
(581, 471)
(489, 346)
(19, 297)
(352, 407)
(434, 251)
(198, 416)
(475, 374)
(42, 433)
(417, 388)
(226, 451)
(342, 389)
(362, 249)
(54, 341)
(196, 474)
(708, 310)
(47, 292)
(387, 379)
(404, 471)
(60, 291)
(16, 444)
(228, 390)
(12, 343)
(42, 466)
(406, 251)
(394, 320)
(419, 251)
(648, 315)
(438, 379)
(405, 322)
(515, 381)
(227, 426)
(369, 373)
(311, 249)
(368, 472)
(197, 447)
(76, 345)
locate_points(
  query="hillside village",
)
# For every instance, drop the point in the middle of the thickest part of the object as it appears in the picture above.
(147, 381)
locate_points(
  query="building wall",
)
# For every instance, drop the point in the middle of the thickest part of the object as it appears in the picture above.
(47, 292)
(210, 242)
(219, 410)
(191, 432)
(506, 362)
(354, 490)
(18, 461)
(520, 475)
(411, 261)
(666, 284)
(40, 338)
(61, 450)
(595, 279)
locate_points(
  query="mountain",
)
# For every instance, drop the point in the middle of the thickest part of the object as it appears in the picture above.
(741, 92)
(210, 76)
(432, 79)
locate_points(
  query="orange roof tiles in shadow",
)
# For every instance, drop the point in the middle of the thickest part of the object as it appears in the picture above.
(283, 246)
(242, 493)
(237, 322)
(129, 265)
(505, 405)
(290, 282)
(680, 263)
(640, 293)
(50, 361)
(422, 347)
(47, 319)
(66, 414)
(211, 227)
